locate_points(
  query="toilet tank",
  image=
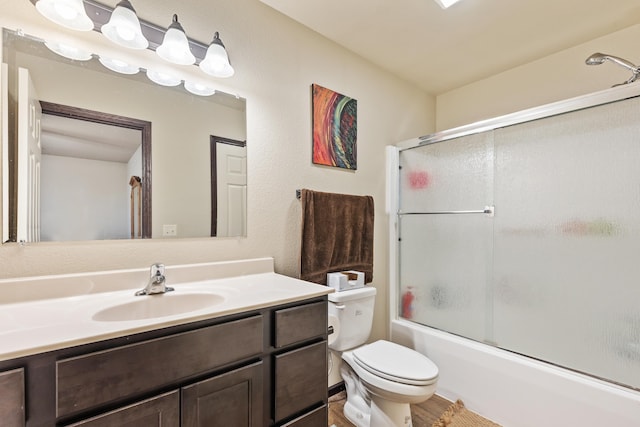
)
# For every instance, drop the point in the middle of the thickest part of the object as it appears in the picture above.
(351, 315)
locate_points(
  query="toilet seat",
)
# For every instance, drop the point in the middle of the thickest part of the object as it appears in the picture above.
(396, 363)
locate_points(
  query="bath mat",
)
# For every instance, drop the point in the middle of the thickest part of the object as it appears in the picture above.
(458, 416)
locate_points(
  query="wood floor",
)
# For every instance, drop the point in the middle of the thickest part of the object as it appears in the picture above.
(423, 414)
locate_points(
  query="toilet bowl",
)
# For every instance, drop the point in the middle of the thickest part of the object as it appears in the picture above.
(382, 378)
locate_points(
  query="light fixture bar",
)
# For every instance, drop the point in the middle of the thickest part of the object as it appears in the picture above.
(100, 15)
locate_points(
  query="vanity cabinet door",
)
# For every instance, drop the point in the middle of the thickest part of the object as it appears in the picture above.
(300, 380)
(316, 418)
(230, 399)
(12, 398)
(160, 411)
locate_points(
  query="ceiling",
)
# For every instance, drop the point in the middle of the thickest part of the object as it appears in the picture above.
(62, 136)
(440, 50)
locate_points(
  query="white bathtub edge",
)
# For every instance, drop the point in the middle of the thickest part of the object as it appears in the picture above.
(516, 391)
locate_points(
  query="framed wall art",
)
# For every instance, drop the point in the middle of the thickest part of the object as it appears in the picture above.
(334, 128)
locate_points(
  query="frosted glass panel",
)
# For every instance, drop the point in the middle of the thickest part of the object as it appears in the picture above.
(555, 275)
(567, 240)
(451, 175)
(444, 267)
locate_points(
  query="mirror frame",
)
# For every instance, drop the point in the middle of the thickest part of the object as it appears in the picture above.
(121, 121)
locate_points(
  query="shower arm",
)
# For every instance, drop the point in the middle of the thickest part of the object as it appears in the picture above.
(632, 79)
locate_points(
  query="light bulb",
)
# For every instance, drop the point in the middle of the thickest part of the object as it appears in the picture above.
(68, 51)
(68, 13)
(199, 89)
(124, 28)
(65, 11)
(216, 61)
(163, 79)
(118, 66)
(175, 45)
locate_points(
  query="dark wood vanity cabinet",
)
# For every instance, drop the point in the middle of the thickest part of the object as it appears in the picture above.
(261, 368)
(12, 398)
(300, 373)
(235, 397)
(158, 411)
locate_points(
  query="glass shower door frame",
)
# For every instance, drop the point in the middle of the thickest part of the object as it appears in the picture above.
(393, 152)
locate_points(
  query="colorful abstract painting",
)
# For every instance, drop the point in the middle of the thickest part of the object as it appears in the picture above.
(334, 128)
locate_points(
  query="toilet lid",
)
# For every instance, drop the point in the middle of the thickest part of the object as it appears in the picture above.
(396, 363)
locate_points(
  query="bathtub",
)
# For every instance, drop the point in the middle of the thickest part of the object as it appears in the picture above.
(517, 391)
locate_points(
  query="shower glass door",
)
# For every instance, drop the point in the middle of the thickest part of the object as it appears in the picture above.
(446, 238)
(566, 265)
(555, 273)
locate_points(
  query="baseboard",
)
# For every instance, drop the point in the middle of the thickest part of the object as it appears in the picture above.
(336, 388)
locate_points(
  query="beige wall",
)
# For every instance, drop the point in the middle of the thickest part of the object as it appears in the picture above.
(553, 78)
(276, 61)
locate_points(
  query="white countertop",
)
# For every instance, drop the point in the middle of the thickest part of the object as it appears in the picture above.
(30, 326)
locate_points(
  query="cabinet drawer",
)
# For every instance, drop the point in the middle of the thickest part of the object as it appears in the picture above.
(12, 398)
(95, 379)
(160, 411)
(300, 380)
(300, 323)
(315, 418)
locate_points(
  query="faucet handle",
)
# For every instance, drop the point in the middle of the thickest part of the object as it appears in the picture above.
(157, 270)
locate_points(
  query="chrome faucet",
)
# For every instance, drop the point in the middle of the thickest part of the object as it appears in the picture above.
(156, 283)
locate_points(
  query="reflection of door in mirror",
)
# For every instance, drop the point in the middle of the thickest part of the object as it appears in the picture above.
(88, 161)
(29, 159)
(228, 187)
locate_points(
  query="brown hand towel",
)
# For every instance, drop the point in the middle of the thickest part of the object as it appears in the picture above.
(337, 235)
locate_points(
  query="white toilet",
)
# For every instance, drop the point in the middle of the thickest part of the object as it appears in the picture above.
(381, 378)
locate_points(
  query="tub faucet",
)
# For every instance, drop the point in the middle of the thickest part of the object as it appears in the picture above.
(156, 283)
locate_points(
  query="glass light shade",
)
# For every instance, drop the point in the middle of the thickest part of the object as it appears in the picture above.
(216, 61)
(68, 51)
(118, 66)
(123, 27)
(68, 13)
(199, 89)
(175, 45)
(163, 79)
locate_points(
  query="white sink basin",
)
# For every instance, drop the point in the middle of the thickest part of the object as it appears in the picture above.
(161, 305)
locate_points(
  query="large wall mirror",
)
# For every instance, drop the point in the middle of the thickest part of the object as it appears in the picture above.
(115, 156)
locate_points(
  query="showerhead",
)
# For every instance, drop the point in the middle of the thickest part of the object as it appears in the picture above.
(599, 58)
(596, 59)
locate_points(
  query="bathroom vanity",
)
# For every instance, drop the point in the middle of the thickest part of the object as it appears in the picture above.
(255, 356)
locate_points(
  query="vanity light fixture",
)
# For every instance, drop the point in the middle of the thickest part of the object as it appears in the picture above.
(175, 46)
(216, 61)
(69, 52)
(121, 25)
(163, 79)
(68, 13)
(446, 3)
(124, 28)
(199, 89)
(118, 66)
